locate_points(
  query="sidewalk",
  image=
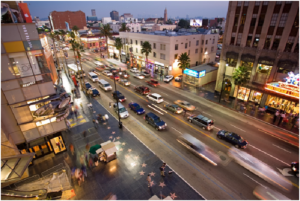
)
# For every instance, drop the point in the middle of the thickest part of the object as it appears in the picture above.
(125, 176)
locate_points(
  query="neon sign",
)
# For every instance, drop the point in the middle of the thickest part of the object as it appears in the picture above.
(292, 79)
(283, 88)
(194, 73)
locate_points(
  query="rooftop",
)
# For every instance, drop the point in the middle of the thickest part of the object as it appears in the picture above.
(208, 68)
(179, 33)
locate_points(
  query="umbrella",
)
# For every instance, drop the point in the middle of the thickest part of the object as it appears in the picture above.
(94, 148)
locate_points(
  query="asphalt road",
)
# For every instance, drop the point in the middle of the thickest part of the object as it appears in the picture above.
(274, 152)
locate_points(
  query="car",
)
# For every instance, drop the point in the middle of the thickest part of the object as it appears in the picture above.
(66, 48)
(100, 69)
(107, 73)
(155, 97)
(201, 121)
(178, 78)
(124, 82)
(174, 108)
(134, 70)
(113, 70)
(124, 74)
(119, 95)
(87, 85)
(123, 113)
(116, 77)
(146, 74)
(139, 76)
(185, 105)
(153, 83)
(142, 90)
(136, 108)
(168, 78)
(295, 168)
(155, 121)
(93, 91)
(233, 138)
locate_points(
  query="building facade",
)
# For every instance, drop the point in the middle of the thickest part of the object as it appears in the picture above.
(114, 15)
(92, 18)
(167, 47)
(58, 19)
(94, 12)
(159, 27)
(106, 20)
(262, 36)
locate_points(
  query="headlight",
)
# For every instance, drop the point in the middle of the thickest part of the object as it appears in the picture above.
(160, 127)
(165, 124)
(294, 169)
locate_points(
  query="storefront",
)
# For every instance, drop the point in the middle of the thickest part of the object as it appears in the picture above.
(247, 94)
(200, 75)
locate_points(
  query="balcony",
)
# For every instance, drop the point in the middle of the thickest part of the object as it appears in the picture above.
(260, 78)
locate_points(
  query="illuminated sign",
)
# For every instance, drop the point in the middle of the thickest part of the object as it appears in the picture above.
(292, 79)
(195, 23)
(283, 88)
(194, 73)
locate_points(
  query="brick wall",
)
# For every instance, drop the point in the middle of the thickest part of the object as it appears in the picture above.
(73, 18)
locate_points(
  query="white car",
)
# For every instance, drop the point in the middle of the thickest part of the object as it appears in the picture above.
(155, 97)
(107, 73)
(134, 70)
(139, 76)
(168, 78)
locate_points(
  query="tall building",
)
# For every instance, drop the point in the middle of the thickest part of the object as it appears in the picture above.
(114, 15)
(58, 20)
(165, 16)
(264, 37)
(92, 18)
(94, 13)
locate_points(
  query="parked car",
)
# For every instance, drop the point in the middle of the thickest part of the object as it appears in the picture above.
(122, 110)
(174, 108)
(155, 121)
(116, 77)
(119, 95)
(202, 121)
(153, 83)
(104, 85)
(134, 70)
(168, 78)
(146, 74)
(107, 73)
(139, 76)
(87, 85)
(233, 138)
(100, 69)
(155, 97)
(93, 91)
(136, 108)
(178, 78)
(124, 82)
(185, 105)
(142, 90)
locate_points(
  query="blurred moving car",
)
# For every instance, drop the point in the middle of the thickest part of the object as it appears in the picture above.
(136, 108)
(155, 121)
(178, 78)
(113, 70)
(202, 121)
(168, 78)
(199, 148)
(93, 91)
(265, 193)
(142, 90)
(107, 73)
(145, 74)
(155, 97)
(124, 74)
(116, 77)
(153, 83)
(295, 168)
(118, 95)
(134, 70)
(174, 108)
(139, 76)
(124, 82)
(185, 105)
(235, 139)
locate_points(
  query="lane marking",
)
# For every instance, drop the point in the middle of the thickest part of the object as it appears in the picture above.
(177, 130)
(166, 102)
(159, 108)
(238, 128)
(217, 128)
(254, 180)
(269, 155)
(282, 148)
(156, 110)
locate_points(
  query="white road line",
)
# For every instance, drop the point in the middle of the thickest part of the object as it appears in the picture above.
(156, 110)
(159, 108)
(166, 102)
(282, 148)
(164, 93)
(217, 128)
(177, 130)
(238, 128)
(269, 155)
(254, 180)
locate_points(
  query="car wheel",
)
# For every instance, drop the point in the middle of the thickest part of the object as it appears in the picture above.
(147, 122)
(219, 136)
(157, 128)
(203, 128)
(190, 120)
(237, 146)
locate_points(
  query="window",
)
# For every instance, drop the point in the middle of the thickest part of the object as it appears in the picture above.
(202, 42)
(176, 46)
(283, 19)
(243, 19)
(296, 50)
(265, 3)
(276, 42)
(154, 54)
(189, 52)
(212, 49)
(197, 42)
(261, 19)
(278, 2)
(136, 42)
(257, 3)
(288, 2)
(185, 46)
(205, 50)
(256, 40)
(136, 50)
(189, 43)
(249, 39)
(201, 50)
(239, 38)
(289, 44)
(246, 3)
(232, 40)
(267, 42)
(196, 51)
(206, 42)
(130, 41)
(162, 47)
(162, 56)
(274, 19)
(239, 3)
(141, 43)
(154, 45)
(213, 42)
(175, 56)
(253, 21)
(236, 19)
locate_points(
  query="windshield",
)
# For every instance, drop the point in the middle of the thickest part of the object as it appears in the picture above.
(155, 82)
(94, 76)
(157, 120)
(160, 98)
(123, 109)
(88, 85)
(107, 85)
(137, 107)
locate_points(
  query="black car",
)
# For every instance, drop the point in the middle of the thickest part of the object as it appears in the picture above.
(142, 90)
(94, 92)
(295, 167)
(88, 85)
(119, 95)
(155, 121)
(233, 138)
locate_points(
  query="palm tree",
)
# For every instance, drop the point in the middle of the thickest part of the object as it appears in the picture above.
(53, 37)
(241, 76)
(106, 32)
(75, 30)
(119, 45)
(63, 34)
(124, 28)
(146, 49)
(184, 62)
(77, 48)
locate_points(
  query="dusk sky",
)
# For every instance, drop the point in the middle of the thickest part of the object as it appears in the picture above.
(139, 9)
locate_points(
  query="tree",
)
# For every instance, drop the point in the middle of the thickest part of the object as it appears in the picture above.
(53, 37)
(124, 28)
(63, 34)
(184, 23)
(241, 76)
(106, 32)
(119, 45)
(169, 22)
(146, 49)
(75, 30)
(184, 62)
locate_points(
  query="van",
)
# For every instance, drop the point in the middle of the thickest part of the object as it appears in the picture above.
(104, 85)
(123, 113)
(155, 97)
(93, 76)
(202, 121)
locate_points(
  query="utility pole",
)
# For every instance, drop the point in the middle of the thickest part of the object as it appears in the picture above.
(222, 83)
(117, 97)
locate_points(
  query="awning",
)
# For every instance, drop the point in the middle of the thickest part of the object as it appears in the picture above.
(94, 148)
(266, 60)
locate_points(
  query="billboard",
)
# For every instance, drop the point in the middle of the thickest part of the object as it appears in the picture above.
(195, 23)
(194, 73)
(25, 12)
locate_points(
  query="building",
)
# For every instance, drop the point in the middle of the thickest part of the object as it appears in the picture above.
(200, 75)
(204, 22)
(94, 12)
(159, 27)
(28, 75)
(91, 18)
(264, 37)
(58, 20)
(167, 47)
(217, 22)
(114, 15)
(151, 21)
(106, 20)
(165, 16)
(127, 15)
(42, 23)
(134, 27)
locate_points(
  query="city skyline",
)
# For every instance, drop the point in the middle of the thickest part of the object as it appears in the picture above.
(137, 9)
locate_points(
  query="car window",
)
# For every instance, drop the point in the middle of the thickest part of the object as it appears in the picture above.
(106, 85)
(160, 98)
(94, 76)
(227, 134)
(123, 109)
(137, 107)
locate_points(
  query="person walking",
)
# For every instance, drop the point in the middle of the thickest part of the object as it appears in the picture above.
(106, 117)
(84, 133)
(72, 148)
(149, 180)
(282, 116)
(76, 114)
(68, 124)
(275, 116)
(100, 118)
(162, 169)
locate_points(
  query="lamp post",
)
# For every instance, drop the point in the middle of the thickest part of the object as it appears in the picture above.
(222, 83)
(120, 123)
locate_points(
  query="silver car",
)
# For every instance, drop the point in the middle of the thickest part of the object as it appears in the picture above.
(124, 82)
(107, 73)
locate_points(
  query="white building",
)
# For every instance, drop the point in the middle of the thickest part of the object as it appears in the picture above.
(134, 27)
(106, 20)
(42, 23)
(161, 27)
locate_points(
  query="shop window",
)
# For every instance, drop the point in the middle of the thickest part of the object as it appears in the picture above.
(274, 20)
(256, 40)
(276, 43)
(267, 42)
(255, 96)
(232, 62)
(21, 65)
(227, 86)
(197, 42)
(243, 93)
(176, 46)
(262, 73)
(154, 54)
(261, 19)
(191, 79)
(283, 19)
(282, 104)
(249, 39)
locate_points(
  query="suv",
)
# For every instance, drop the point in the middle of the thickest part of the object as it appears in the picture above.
(202, 121)
(155, 97)
(153, 83)
(155, 121)
(142, 90)
(117, 94)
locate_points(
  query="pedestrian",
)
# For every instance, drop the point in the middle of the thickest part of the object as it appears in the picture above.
(162, 169)
(84, 133)
(96, 161)
(83, 169)
(149, 180)
(106, 117)
(68, 124)
(90, 162)
(76, 113)
(282, 116)
(275, 116)
(81, 107)
(94, 122)
(100, 117)
(72, 148)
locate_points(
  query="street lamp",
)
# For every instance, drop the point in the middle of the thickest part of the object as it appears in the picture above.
(117, 97)
(222, 82)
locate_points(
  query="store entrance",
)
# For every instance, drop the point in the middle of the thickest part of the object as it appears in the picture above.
(40, 147)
